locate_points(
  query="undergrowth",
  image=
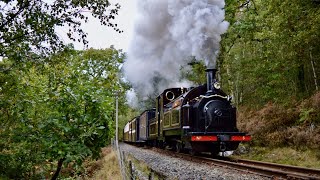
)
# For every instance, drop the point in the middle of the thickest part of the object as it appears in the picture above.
(107, 167)
(283, 134)
(297, 126)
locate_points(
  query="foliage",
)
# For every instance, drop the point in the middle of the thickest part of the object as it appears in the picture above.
(30, 25)
(270, 60)
(60, 110)
(278, 126)
(194, 72)
(270, 52)
(305, 115)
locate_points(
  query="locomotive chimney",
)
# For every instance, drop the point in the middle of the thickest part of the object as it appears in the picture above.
(211, 75)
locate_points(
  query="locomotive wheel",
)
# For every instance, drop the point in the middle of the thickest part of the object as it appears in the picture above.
(192, 152)
(178, 147)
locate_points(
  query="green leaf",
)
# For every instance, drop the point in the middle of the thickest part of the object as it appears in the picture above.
(101, 127)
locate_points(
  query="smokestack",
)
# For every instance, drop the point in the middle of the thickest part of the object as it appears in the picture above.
(211, 75)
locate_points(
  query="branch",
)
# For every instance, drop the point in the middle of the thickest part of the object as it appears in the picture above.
(21, 8)
(244, 4)
(254, 6)
(233, 42)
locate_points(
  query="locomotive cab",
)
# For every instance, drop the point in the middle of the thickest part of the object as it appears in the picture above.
(168, 113)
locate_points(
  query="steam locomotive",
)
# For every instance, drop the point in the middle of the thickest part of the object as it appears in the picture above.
(199, 119)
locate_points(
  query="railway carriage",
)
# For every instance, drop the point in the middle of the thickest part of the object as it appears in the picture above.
(137, 129)
(144, 125)
(126, 130)
(131, 131)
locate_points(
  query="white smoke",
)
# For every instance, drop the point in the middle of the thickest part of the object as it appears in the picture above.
(132, 98)
(167, 34)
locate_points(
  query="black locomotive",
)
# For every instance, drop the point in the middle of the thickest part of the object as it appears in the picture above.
(199, 119)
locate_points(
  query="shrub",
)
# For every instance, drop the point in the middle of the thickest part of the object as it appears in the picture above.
(275, 125)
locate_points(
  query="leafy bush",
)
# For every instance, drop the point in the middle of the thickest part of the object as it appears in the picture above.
(58, 113)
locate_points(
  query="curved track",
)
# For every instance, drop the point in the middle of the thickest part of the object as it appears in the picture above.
(266, 169)
(284, 170)
(271, 170)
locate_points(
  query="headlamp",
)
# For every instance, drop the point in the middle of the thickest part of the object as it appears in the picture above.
(216, 85)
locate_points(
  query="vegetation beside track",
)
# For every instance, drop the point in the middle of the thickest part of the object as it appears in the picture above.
(283, 155)
(295, 126)
(107, 167)
(283, 134)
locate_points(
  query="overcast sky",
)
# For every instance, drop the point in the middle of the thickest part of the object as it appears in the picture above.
(102, 36)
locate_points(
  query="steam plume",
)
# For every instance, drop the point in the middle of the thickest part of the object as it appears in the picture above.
(167, 34)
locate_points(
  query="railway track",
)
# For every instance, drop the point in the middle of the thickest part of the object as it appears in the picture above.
(271, 170)
(285, 171)
(266, 169)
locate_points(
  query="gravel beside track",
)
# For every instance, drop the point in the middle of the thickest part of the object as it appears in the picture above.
(176, 168)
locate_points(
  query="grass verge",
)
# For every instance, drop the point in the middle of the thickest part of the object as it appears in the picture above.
(105, 168)
(284, 155)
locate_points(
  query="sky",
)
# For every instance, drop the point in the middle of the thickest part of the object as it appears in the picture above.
(101, 37)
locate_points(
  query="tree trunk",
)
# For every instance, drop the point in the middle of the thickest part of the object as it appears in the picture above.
(56, 174)
(230, 83)
(314, 72)
(301, 80)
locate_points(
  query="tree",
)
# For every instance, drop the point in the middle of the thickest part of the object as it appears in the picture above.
(194, 72)
(270, 52)
(61, 113)
(30, 25)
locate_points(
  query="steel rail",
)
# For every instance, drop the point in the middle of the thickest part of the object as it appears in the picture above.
(291, 171)
(266, 169)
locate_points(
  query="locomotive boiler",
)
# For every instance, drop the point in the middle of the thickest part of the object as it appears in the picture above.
(199, 119)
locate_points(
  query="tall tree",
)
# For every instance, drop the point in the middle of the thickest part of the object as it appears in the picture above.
(61, 112)
(30, 25)
(270, 52)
